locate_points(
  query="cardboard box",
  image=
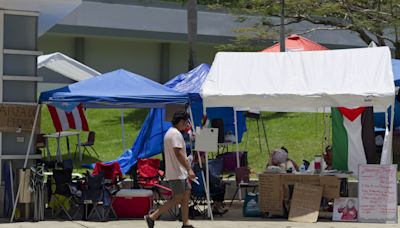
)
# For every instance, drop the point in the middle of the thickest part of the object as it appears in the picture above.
(274, 187)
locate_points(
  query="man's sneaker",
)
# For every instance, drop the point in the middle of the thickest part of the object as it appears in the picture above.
(149, 221)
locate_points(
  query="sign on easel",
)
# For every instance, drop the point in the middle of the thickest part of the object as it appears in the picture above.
(377, 193)
(206, 139)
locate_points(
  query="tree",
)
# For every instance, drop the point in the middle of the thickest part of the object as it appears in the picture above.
(192, 32)
(373, 20)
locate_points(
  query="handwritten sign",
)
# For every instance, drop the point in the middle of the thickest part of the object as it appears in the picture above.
(304, 206)
(377, 192)
(14, 117)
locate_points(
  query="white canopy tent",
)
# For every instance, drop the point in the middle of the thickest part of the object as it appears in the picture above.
(303, 82)
(66, 66)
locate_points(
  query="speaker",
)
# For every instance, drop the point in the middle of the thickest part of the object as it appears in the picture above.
(219, 123)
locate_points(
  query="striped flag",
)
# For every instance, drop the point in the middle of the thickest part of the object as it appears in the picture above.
(352, 138)
(68, 116)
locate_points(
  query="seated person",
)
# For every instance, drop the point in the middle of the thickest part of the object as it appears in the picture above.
(280, 158)
(217, 187)
(326, 162)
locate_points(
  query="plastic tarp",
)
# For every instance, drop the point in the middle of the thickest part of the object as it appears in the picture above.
(116, 89)
(66, 66)
(301, 81)
(379, 118)
(396, 71)
(149, 141)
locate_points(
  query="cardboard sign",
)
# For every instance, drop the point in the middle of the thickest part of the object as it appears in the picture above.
(206, 139)
(305, 203)
(377, 191)
(14, 117)
(270, 194)
(345, 209)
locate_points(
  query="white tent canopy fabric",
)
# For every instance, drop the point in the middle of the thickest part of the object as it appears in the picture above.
(66, 66)
(301, 81)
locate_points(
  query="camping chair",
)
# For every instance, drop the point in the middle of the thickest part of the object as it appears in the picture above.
(112, 180)
(65, 195)
(242, 176)
(94, 193)
(149, 176)
(198, 198)
(41, 143)
(88, 143)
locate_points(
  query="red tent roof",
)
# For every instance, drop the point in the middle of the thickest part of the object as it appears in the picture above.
(296, 43)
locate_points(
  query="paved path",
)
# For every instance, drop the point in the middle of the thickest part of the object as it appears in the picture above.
(197, 223)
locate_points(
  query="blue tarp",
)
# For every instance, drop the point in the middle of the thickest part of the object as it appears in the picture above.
(379, 118)
(116, 89)
(150, 139)
(396, 71)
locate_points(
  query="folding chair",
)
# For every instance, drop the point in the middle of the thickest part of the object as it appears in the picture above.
(41, 143)
(242, 175)
(112, 180)
(93, 194)
(89, 143)
(63, 194)
(198, 198)
(148, 176)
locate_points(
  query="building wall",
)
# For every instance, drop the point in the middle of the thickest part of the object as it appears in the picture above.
(143, 57)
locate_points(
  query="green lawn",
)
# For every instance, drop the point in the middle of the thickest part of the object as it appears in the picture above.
(300, 133)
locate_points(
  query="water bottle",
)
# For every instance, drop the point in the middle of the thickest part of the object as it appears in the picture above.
(302, 168)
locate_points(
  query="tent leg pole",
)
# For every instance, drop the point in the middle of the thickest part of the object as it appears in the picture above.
(259, 135)
(391, 134)
(26, 159)
(237, 146)
(265, 135)
(123, 130)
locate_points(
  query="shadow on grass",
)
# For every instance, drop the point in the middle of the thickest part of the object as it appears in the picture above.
(131, 116)
(273, 115)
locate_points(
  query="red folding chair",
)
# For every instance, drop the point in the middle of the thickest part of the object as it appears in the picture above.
(149, 176)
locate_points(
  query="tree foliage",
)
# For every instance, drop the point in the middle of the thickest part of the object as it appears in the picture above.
(373, 20)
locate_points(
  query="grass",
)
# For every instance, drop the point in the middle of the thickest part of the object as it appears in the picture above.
(300, 133)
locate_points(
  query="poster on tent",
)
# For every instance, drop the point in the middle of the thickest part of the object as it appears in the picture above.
(345, 209)
(377, 191)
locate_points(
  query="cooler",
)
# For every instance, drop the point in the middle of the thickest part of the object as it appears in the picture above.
(133, 203)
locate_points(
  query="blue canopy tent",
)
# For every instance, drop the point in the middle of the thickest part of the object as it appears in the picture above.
(150, 138)
(116, 89)
(379, 118)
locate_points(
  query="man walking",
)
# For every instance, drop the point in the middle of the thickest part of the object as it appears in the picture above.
(177, 169)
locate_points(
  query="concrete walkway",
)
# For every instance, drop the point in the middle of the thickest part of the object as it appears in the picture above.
(232, 219)
(197, 223)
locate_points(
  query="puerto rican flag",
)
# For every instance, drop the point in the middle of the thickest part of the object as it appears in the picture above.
(68, 116)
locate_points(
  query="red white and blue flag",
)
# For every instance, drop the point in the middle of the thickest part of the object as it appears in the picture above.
(68, 116)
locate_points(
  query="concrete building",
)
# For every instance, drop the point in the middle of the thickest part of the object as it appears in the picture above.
(149, 37)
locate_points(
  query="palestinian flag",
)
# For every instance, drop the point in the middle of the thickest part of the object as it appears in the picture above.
(353, 140)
